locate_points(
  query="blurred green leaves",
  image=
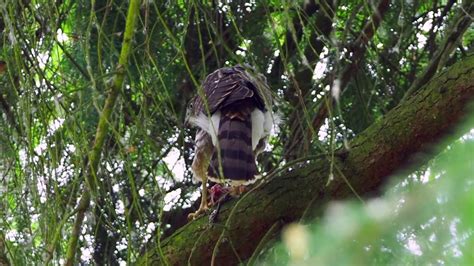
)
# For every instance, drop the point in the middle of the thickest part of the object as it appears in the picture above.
(425, 219)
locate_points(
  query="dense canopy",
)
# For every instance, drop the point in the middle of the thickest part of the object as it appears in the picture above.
(94, 153)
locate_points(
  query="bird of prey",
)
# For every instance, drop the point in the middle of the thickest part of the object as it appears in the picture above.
(233, 116)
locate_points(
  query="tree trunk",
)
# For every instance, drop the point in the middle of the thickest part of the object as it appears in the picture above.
(287, 196)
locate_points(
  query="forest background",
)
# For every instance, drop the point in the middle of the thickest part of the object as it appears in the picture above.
(95, 157)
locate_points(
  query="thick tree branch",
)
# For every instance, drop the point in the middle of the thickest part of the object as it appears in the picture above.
(301, 80)
(357, 51)
(378, 152)
(355, 55)
(359, 47)
(459, 25)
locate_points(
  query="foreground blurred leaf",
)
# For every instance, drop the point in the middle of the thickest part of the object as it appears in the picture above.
(425, 219)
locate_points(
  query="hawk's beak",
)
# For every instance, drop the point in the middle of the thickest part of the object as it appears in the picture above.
(186, 121)
(188, 115)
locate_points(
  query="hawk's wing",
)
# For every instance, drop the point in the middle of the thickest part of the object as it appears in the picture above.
(230, 85)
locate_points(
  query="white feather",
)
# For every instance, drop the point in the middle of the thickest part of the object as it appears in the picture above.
(214, 127)
(258, 121)
(268, 123)
(262, 124)
(210, 125)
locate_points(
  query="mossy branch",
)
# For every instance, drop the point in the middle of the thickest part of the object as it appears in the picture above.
(382, 149)
(102, 130)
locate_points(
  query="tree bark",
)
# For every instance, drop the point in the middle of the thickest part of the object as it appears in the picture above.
(287, 196)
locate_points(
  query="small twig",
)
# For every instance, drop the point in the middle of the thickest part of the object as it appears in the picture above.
(265, 239)
(196, 244)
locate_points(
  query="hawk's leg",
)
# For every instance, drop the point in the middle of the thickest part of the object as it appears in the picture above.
(236, 191)
(199, 167)
(219, 194)
(203, 208)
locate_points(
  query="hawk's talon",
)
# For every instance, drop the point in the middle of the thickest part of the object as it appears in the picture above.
(194, 215)
(213, 215)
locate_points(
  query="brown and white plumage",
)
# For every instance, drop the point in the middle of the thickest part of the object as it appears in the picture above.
(233, 115)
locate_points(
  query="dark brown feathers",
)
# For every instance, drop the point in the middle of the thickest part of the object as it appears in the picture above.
(225, 87)
(237, 158)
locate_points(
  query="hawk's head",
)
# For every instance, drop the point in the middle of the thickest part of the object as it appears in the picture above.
(189, 112)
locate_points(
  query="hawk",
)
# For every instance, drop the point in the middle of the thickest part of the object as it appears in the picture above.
(233, 116)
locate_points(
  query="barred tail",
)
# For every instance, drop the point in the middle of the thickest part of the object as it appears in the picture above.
(235, 143)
